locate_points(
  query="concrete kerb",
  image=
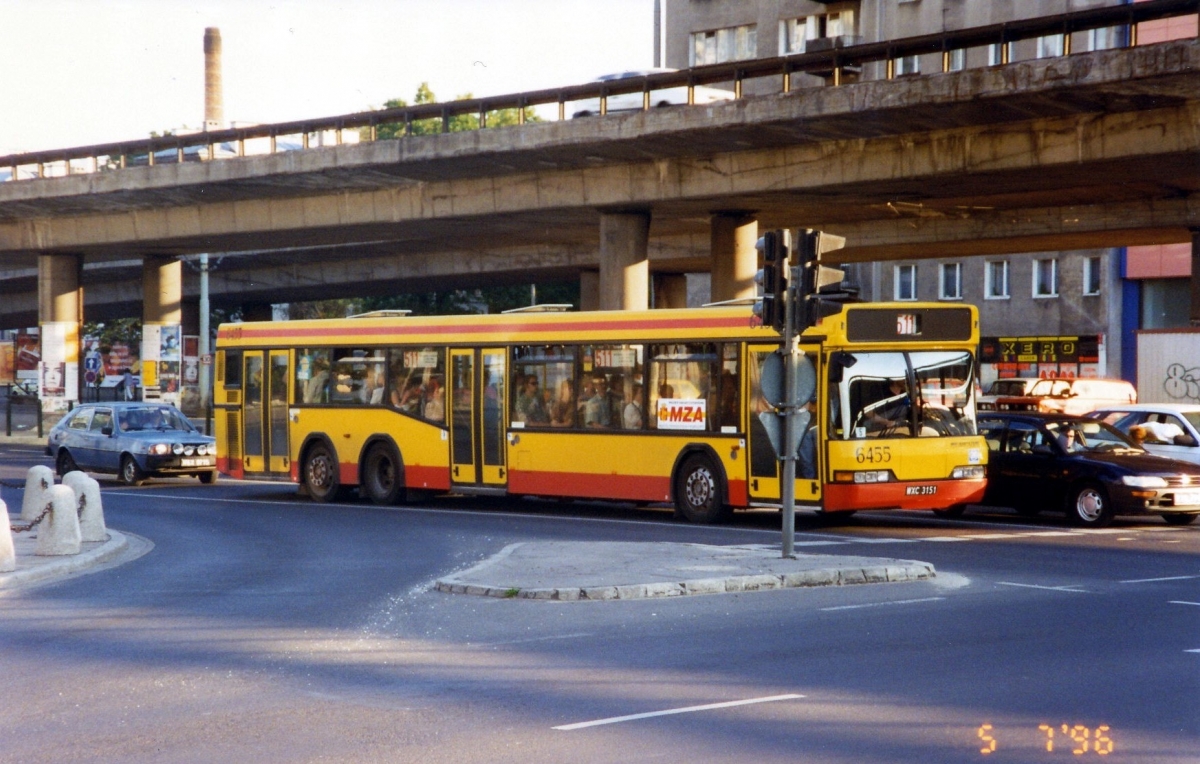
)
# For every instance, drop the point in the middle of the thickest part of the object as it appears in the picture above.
(33, 569)
(496, 577)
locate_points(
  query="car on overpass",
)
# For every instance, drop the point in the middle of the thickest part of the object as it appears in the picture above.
(1084, 467)
(626, 102)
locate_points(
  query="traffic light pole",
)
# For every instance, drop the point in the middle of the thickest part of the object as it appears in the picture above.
(787, 488)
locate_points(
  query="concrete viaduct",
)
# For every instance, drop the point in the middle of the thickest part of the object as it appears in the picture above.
(1089, 150)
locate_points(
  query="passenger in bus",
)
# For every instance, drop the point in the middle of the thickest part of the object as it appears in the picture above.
(806, 453)
(409, 401)
(563, 412)
(632, 417)
(435, 405)
(666, 391)
(599, 410)
(314, 389)
(585, 394)
(530, 408)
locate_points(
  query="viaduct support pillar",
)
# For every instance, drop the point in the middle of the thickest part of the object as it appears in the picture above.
(589, 290)
(60, 320)
(670, 290)
(1195, 315)
(734, 258)
(624, 267)
(162, 318)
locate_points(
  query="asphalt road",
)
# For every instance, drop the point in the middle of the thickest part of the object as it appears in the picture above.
(264, 627)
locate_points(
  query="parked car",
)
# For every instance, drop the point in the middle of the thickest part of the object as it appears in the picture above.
(1085, 467)
(1070, 396)
(1166, 429)
(633, 101)
(132, 440)
(1003, 388)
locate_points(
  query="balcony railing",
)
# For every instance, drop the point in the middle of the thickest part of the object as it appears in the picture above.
(828, 63)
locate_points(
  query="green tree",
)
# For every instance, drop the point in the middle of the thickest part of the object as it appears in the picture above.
(459, 123)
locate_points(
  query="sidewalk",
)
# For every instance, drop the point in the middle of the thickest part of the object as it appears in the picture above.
(31, 569)
(604, 570)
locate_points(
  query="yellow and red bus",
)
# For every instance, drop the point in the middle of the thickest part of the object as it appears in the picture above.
(644, 407)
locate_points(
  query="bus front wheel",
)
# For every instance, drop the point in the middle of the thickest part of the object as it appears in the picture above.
(698, 491)
(321, 473)
(382, 473)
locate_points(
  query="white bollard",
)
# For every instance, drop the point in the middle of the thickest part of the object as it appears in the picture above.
(8, 552)
(38, 480)
(58, 532)
(91, 513)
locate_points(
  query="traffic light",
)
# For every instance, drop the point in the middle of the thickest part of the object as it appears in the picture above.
(820, 290)
(773, 278)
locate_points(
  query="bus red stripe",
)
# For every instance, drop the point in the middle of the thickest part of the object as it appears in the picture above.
(843, 496)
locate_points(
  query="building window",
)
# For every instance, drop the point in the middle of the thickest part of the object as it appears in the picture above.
(906, 282)
(720, 45)
(1050, 46)
(1091, 275)
(958, 60)
(796, 34)
(996, 53)
(1106, 38)
(1045, 278)
(950, 281)
(907, 65)
(995, 277)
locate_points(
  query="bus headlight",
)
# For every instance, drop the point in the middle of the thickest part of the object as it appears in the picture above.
(863, 476)
(967, 473)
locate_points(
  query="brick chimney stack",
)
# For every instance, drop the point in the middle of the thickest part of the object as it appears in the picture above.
(214, 110)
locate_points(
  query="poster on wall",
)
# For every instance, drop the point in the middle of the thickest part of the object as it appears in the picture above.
(8, 360)
(58, 370)
(160, 361)
(28, 352)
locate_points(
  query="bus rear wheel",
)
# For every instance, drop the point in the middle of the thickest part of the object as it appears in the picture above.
(382, 481)
(698, 491)
(321, 473)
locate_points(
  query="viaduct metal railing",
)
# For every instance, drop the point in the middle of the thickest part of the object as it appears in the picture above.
(829, 63)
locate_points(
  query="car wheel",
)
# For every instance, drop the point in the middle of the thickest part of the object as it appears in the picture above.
(65, 462)
(321, 473)
(382, 475)
(208, 478)
(698, 491)
(131, 473)
(951, 512)
(1089, 507)
(1177, 519)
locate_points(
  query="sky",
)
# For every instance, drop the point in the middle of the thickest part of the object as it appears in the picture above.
(81, 72)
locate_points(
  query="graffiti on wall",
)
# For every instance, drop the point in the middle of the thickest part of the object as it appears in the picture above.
(1182, 382)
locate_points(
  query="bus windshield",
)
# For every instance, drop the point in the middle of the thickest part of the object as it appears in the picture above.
(897, 394)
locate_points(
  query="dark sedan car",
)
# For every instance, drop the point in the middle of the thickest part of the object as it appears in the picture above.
(1087, 468)
(132, 440)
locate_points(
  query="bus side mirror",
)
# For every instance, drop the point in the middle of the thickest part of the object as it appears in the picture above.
(838, 363)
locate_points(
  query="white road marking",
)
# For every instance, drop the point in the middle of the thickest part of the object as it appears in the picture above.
(1181, 602)
(883, 604)
(886, 541)
(1192, 651)
(668, 712)
(1152, 580)
(947, 538)
(1073, 588)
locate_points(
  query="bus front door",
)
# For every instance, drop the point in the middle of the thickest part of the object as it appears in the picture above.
(265, 413)
(477, 449)
(764, 464)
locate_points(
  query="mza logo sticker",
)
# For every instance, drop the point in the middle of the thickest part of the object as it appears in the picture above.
(682, 414)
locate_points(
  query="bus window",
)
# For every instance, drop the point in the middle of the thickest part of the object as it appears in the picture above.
(682, 389)
(946, 389)
(542, 377)
(612, 396)
(876, 391)
(417, 382)
(729, 411)
(312, 376)
(352, 375)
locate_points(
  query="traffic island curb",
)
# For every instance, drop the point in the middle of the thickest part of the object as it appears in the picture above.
(95, 555)
(519, 571)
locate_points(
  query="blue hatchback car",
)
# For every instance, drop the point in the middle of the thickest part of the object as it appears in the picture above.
(132, 440)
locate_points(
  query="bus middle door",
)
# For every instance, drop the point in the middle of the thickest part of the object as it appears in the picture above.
(765, 467)
(477, 394)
